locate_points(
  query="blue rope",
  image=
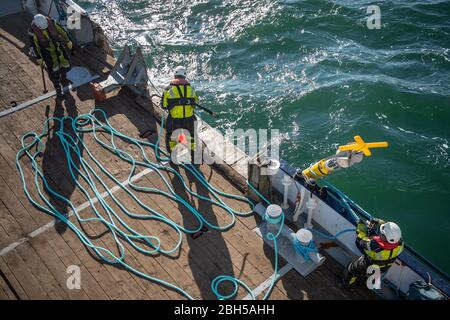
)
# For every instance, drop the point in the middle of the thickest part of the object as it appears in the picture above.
(331, 237)
(271, 220)
(80, 170)
(342, 199)
(305, 250)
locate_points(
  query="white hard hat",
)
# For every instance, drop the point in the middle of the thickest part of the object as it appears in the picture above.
(180, 71)
(391, 231)
(40, 21)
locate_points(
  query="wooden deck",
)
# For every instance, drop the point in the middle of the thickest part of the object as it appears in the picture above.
(36, 268)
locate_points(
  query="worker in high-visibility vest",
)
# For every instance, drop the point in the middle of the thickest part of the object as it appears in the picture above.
(49, 41)
(179, 98)
(381, 242)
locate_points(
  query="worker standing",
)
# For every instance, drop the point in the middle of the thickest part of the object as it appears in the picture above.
(49, 41)
(179, 98)
(381, 242)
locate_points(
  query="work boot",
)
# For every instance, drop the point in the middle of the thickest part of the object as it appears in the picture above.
(349, 279)
(345, 279)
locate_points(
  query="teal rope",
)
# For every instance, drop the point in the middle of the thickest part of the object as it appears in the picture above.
(305, 250)
(332, 237)
(341, 198)
(71, 140)
(271, 220)
(236, 282)
(101, 252)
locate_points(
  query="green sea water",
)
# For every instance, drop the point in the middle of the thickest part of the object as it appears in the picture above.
(315, 71)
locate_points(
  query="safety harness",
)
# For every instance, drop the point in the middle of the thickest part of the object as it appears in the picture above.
(182, 100)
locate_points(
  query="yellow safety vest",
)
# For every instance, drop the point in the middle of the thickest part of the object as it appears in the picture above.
(384, 257)
(180, 100)
(50, 40)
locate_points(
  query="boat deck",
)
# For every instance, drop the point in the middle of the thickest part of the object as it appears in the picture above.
(36, 252)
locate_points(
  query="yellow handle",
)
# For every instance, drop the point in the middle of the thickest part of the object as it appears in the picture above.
(360, 145)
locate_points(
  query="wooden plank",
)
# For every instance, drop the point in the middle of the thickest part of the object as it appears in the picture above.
(4, 291)
(65, 253)
(9, 225)
(40, 272)
(102, 274)
(12, 280)
(4, 238)
(10, 175)
(24, 275)
(13, 208)
(41, 246)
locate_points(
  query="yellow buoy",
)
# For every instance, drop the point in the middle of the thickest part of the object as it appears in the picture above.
(361, 146)
(325, 166)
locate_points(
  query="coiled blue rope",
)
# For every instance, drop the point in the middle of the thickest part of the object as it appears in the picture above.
(71, 150)
(71, 141)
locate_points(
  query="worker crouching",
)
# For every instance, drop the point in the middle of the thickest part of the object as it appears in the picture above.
(381, 242)
(49, 41)
(179, 98)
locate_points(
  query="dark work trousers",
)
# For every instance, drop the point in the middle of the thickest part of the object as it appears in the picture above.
(180, 123)
(356, 271)
(58, 78)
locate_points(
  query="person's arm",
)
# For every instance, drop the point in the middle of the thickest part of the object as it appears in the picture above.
(362, 237)
(33, 47)
(374, 225)
(164, 102)
(62, 32)
(36, 47)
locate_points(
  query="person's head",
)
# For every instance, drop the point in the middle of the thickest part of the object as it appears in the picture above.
(40, 21)
(180, 72)
(391, 232)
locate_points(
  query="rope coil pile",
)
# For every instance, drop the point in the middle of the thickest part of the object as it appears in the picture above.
(69, 132)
